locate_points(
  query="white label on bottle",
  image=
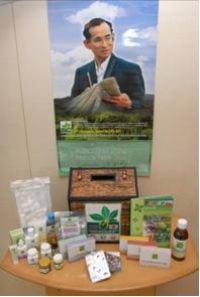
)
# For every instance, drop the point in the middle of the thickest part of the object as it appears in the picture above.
(179, 248)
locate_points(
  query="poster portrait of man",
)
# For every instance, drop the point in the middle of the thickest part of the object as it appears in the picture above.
(103, 58)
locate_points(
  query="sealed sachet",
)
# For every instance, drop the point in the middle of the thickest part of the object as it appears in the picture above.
(32, 198)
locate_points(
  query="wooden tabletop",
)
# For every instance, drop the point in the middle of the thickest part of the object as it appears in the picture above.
(132, 276)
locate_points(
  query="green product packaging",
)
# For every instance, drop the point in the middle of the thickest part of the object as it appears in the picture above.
(152, 216)
(16, 235)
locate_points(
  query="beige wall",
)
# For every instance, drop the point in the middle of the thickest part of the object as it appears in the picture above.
(28, 145)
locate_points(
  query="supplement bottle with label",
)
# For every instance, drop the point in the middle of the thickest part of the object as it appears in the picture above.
(45, 250)
(22, 249)
(44, 265)
(31, 238)
(51, 232)
(32, 256)
(179, 242)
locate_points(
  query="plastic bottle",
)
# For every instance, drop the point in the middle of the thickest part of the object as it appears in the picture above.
(32, 256)
(22, 249)
(179, 242)
(32, 238)
(45, 250)
(51, 232)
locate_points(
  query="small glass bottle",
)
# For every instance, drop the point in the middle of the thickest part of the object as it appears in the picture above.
(51, 232)
(32, 256)
(44, 265)
(179, 242)
(45, 250)
(58, 262)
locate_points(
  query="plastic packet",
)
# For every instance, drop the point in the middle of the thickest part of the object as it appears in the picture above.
(32, 199)
(70, 223)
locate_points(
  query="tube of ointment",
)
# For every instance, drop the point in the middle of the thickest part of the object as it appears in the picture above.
(14, 254)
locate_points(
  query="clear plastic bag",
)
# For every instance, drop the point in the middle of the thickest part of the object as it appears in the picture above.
(32, 199)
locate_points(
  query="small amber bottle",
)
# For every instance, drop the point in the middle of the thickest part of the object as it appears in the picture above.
(44, 265)
(51, 232)
(179, 242)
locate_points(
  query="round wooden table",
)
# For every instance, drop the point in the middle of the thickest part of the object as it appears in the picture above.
(133, 279)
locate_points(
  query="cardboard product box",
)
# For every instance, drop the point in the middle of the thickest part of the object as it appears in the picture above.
(78, 249)
(97, 266)
(103, 221)
(103, 185)
(154, 256)
(134, 248)
(152, 216)
(124, 239)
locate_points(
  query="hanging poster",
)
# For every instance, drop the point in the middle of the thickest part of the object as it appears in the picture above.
(103, 57)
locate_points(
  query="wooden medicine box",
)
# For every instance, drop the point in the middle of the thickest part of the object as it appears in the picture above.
(118, 184)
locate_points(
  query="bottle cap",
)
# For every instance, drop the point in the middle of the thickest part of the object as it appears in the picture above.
(32, 252)
(50, 216)
(21, 243)
(45, 246)
(182, 223)
(31, 231)
(58, 258)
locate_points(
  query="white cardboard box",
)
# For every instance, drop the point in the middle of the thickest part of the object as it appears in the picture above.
(154, 256)
(78, 249)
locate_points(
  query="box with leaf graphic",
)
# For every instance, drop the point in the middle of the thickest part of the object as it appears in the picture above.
(103, 221)
(152, 216)
(103, 185)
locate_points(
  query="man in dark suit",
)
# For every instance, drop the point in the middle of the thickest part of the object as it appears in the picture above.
(99, 38)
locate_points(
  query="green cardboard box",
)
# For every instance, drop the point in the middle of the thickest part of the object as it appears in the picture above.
(152, 216)
(16, 235)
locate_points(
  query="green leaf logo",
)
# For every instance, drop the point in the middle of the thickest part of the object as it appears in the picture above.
(96, 217)
(106, 217)
(82, 248)
(113, 214)
(155, 256)
(138, 207)
(105, 212)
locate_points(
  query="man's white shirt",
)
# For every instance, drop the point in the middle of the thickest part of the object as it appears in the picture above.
(100, 70)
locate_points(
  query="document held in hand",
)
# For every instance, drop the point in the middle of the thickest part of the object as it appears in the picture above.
(89, 101)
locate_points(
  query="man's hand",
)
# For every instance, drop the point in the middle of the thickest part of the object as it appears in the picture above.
(122, 100)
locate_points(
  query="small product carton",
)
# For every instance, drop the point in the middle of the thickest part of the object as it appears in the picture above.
(124, 239)
(16, 235)
(63, 243)
(114, 261)
(97, 266)
(154, 256)
(152, 216)
(78, 249)
(134, 247)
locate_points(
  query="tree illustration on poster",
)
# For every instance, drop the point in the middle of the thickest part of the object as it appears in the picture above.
(90, 131)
